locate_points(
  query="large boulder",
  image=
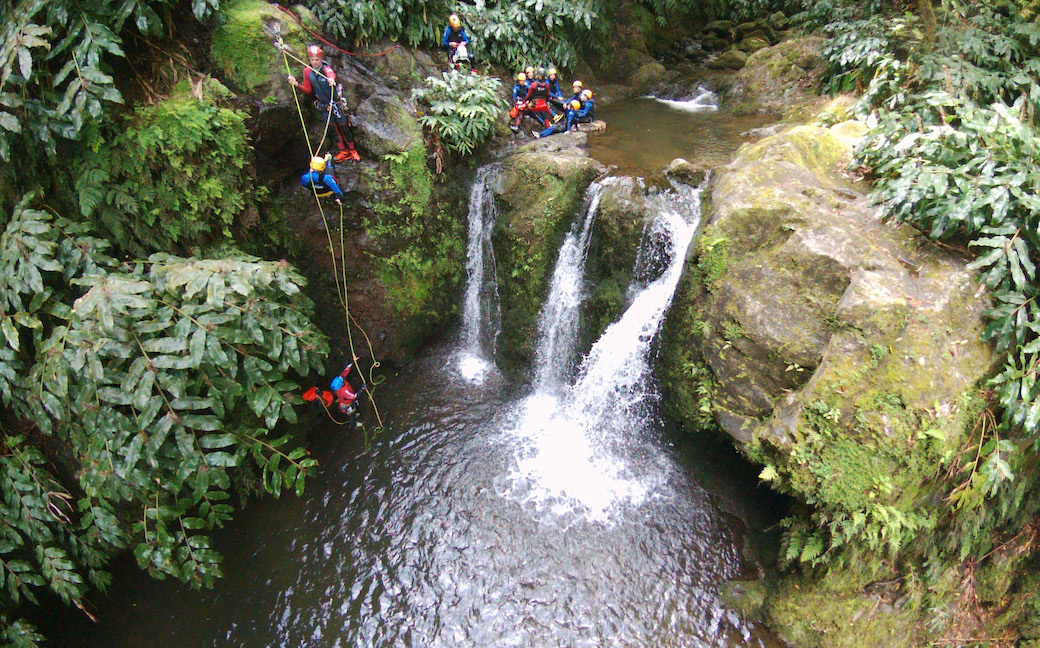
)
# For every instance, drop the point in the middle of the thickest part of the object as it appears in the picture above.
(387, 125)
(539, 194)
(782, 79)
(731, 59)
(832, 347)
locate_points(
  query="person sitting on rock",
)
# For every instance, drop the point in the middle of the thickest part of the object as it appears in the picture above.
(319, 79)
(587, 113)
(454, 37)
(563, 125)
(555, 94)
(529, 71)
(321, 183)
(537, 99)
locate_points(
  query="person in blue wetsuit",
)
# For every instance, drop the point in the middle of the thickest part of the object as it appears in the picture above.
(587, 113)
(520, 88)
(454, 36)
(555, 94)
(321, 183)
(564, 125)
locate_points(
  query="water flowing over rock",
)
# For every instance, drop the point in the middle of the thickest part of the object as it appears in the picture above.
(481, 315)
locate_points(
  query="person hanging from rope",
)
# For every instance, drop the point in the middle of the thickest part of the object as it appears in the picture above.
(340, 390)
(319, 79)
(537, 99)
(323, 184)
(456, 43)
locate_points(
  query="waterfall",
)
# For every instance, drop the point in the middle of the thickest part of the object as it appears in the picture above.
(573, 457)
(481, 318)
(558, 321)
(704, 101)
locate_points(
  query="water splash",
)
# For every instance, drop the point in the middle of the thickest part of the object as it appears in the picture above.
(579, 443)
(704, 101)
(481, 317)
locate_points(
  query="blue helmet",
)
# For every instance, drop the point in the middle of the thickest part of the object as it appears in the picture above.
(337, 382)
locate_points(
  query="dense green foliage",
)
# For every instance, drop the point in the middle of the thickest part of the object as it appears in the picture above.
(177, 166)
(953, 149)
(159, 382)
(515, 34)
(419, 243)
(462, 109)
(55, 66)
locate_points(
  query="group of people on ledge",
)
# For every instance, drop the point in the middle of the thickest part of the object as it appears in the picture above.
(535, 94)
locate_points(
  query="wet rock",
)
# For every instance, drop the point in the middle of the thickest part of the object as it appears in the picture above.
(649, 74)
(386, 125)
(783, 79)
(732, 59)
(808, 317)
(752, 44)
(539, 193)
(682, 171)
(593, 127)
(400, 67)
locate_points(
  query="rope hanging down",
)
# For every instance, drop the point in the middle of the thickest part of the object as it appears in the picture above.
(340, 268)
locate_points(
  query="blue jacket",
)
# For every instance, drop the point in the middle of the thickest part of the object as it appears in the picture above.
(554, 89)
(452, 36)
(323, 183)
(519, 91)
(587, 112)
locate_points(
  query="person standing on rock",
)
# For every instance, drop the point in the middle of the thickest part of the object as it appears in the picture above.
(319, 79)
(455, 38)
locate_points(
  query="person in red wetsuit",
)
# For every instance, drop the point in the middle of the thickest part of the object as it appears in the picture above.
(319, 79)
(537, 99)
(342, 392)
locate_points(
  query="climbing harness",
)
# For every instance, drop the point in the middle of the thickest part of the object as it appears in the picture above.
(339, 269)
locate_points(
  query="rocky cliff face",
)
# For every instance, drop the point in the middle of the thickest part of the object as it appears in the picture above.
(838, 351)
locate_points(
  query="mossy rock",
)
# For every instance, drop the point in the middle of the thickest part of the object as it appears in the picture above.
(783, 78)
(242, 47)
(387, 126)
(539, 196)
(646, 76)
(731, 59)
(752, 44)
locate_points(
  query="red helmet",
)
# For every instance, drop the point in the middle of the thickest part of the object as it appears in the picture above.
(314, 50)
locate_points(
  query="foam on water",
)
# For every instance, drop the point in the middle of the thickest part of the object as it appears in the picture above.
(706, 101)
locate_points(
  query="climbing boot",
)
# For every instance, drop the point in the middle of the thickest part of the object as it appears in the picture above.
(354, 157)
(342, 156)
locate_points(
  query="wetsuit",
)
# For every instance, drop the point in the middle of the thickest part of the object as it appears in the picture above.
(323, 184)
(560, 128)
(519, 91)
(454, 36)
(555, 94)
(537, 100)
(323, 87)
(587, 112)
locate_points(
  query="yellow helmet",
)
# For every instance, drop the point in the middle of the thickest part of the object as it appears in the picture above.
(575, 104)
(454, 21)
(586, 94)
(530, 71)
(552, 71)
(576, 84)
(521, 77)
(317, 164)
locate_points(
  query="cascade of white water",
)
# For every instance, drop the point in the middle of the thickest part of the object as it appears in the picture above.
(481, 318)
(704, 101)
(569, 461)
(558, 321)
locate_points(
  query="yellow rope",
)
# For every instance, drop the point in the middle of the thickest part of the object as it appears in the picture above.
(341, 288)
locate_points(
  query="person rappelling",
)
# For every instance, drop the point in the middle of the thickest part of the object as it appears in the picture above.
(319, 79)
(320, 181)
(341, 391)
